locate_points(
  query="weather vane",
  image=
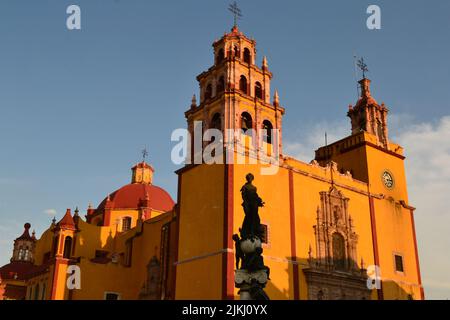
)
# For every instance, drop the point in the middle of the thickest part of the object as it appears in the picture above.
(234, 9)
(363, 66)
(144, 154)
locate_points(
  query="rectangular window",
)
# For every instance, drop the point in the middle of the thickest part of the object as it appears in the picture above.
(126, 224)
(398, 263)
(101, 254)
(112, 296)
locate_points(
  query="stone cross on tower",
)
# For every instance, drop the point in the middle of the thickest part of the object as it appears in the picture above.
(363, 66)
(144, 154)
(234, 9)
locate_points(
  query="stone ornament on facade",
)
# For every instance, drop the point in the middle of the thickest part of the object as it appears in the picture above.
(151, 289)
(333, 272)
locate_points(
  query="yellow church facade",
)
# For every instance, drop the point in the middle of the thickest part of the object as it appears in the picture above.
(339, 227)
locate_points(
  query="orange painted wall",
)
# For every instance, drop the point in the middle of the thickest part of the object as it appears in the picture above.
(198, 272)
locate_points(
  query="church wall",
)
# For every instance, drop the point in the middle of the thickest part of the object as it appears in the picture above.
(307, 200)
(96, 279)
(379, 161)
(394, 225)
(354, 161)
(92, 238)
(118, 215)
(114, 277)
(307, 182)
(274, 190)
(201, 218)
(145, 246)
(200, 279)
(392, 217)
(43, 245)
(44, 281)
(395, 236)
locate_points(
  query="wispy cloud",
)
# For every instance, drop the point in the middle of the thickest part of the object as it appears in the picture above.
(427, 147)
(50, 212)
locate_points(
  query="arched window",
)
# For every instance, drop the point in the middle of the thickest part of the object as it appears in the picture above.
(258, 90)
(55, 245)
(320, 295)
(247, 56)
(246, 122)
(27, 254)
(236, 52)
(208, 92)
(267, 133)
(36, 292)
(126, 224)
(338, 251)
(67, 247)
(221, 84)
(44, 288)
(380, 130)
(220, 56)
(216, 122)
(21, 253)
(243, 85)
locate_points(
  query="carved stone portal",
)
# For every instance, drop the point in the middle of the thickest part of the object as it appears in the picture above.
(151, 290)
(334, 273)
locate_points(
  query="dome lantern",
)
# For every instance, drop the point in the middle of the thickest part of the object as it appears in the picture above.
(142, 173)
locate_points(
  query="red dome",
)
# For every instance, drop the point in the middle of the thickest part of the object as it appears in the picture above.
(132, 195)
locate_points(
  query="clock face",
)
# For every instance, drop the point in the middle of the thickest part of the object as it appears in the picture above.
(388, 179)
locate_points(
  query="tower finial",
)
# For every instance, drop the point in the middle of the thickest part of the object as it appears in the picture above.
(365, 87)
(144, 154)
(264, 63)
(363, 67)
(194, 102)
(234, 9)
(276, 98)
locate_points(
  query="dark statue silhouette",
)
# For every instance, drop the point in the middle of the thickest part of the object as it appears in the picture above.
(251, 273)
(252, 223)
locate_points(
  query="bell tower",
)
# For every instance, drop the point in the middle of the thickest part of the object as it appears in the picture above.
(24, 246)
(234, 100)
(368, 156)
(235, 93)
(367, 115)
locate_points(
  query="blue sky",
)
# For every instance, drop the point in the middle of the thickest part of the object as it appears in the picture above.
(77, 107)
